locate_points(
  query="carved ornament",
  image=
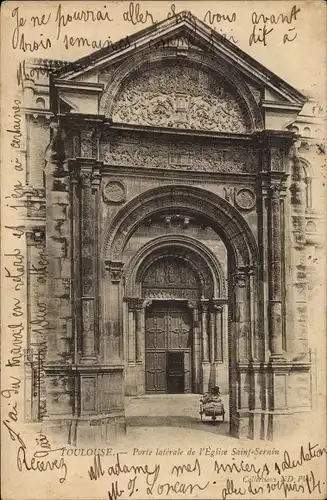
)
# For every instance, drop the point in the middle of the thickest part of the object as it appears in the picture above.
(115, 270)
(141, 153)
(245, 199)
(114, 192)
(179, 96)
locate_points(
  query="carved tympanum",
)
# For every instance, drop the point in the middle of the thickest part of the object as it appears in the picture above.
(179, 96)
(170, 278)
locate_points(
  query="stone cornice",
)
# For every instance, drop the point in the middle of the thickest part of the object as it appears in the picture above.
(79, 86)
(283, 106)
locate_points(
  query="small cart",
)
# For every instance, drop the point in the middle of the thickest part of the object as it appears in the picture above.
(212, 410)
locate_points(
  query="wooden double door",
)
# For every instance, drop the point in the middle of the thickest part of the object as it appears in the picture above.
(168, 348)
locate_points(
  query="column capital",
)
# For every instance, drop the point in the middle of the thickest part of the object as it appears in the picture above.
(86, 177)
(135, 303)
(241, 275)
(35, 235)
(115, 269)
(204, 303)
(276, 190)
(217, 305)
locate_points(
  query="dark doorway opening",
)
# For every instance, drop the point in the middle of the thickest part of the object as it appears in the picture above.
(175, 372)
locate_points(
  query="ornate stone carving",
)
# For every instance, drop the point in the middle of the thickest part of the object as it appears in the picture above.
(245, 199)
(116, 271)
(135, 303)
(183, 197)
(204, 305)
(86, 177)
(139, 153)
(217, 305)
(276, 190)
(114, 192)
(169, 293)
(241, 275)
(88, 144)
(179, 96)
(277, 159)
(170, 278)
(228, 191)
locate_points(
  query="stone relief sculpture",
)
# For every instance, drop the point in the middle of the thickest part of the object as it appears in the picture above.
(129, 152)
(181, 97)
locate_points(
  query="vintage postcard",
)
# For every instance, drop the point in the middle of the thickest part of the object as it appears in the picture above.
(163, 223)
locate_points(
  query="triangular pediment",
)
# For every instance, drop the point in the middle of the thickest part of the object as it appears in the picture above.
(184, 33)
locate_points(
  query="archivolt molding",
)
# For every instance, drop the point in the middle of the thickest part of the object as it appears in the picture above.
(202, 260)
(223, 218)
(132, 67)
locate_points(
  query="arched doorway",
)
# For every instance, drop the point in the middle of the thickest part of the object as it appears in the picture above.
(177, 306)
(241, 319)
(171, 283)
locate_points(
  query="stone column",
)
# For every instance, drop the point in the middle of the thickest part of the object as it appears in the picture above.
(76, 264)
(138, 330)
(242, 316)
(204, 327)
(131, 333)
(113, 318)
(192, 304)
(218, 330)
(87, 266)
(275, 272)
(135, 307)
(297, 344)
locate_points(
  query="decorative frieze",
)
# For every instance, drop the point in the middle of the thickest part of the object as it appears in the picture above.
(131, 152)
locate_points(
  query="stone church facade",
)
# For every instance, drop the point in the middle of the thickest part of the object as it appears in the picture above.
(169, 198)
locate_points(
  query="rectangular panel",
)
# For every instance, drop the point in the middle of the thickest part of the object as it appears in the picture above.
(155, 371)
(173, 328)
(160, 329)
(150, 330)
(280, 400)
(179, 329)
(155, 330)
(88, 394)
(112, 395)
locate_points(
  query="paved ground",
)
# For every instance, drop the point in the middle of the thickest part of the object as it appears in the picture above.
(153, 419)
